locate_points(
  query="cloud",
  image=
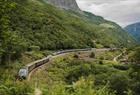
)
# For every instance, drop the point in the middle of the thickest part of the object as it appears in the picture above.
(123, 12)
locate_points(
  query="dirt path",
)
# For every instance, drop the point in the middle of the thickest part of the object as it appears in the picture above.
(37, 91)
(115, 58)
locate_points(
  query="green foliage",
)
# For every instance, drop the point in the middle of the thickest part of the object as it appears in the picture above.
(92, 55)
(35, 54)
(11, 44)
(108, 55)
(28, 23)
(33, 25)
(84, 86)
(34, 48)
(135, 75)
(135, 55)
(8, 83)
(18, 89)
(120, 83)
(121, 67)
(105, 78)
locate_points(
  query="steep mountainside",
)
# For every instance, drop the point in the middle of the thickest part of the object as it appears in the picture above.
(134, 29)
(67, 4)
(50, 28)
(35, 25)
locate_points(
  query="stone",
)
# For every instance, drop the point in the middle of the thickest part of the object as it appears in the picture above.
(66, 4)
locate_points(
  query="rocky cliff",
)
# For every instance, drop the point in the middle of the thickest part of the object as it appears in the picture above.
(67, 4)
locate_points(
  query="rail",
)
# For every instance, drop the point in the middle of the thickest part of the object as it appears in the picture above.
(25, 71)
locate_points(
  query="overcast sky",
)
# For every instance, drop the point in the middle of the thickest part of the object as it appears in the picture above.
(123, 12)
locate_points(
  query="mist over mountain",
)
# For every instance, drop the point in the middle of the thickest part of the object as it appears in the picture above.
(134, 29)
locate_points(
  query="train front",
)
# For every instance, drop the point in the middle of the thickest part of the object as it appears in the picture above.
(23, 73)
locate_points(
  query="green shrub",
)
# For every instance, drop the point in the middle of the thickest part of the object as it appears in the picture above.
(119, 83)
(76, 55)
(16, 89)
(121, 67)
(34, 48)
(101, 62)
(92, 55)
(84, 86)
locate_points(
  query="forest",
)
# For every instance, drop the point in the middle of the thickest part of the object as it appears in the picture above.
(28, 25)
(32, 29)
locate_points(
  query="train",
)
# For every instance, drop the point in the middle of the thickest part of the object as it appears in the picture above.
(72, 50)
(24, 71)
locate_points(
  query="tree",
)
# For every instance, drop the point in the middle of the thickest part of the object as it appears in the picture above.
(135, 56)
(119, 83)
(92, 55)
(5, 7)
(11, 45)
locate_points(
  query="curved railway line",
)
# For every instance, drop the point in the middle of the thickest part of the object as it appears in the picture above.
(26, 71)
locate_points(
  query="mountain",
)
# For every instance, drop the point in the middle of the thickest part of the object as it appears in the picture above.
(29, 25)
(134, 29)
(33, 29)
(49, 27)
(66, 4)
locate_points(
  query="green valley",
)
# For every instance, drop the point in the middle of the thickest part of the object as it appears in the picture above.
(107, 62)
(33, 24)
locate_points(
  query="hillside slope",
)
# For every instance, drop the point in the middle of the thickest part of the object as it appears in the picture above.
(34, 24)
(134, 29)
(65, 29)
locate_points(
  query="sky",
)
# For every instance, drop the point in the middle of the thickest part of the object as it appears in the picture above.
(123, 12)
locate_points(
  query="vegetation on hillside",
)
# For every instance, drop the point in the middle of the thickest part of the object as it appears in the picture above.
(29, 28)
(134, 54)
(9, 85)
(33, 23)
(71, 76)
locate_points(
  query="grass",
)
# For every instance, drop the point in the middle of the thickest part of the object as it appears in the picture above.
(68, 73)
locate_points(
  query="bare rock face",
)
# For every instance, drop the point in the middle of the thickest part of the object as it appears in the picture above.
(66, 4)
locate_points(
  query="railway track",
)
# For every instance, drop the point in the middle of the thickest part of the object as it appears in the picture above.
(26, 71)
(34, 66)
